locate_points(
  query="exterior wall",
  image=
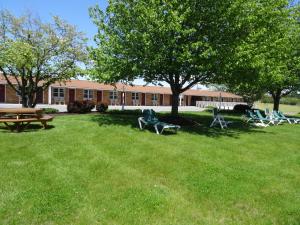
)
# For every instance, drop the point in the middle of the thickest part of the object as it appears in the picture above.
(148, 99)
(79, 94)
(166, 100)
(45, 97)
(11, 95)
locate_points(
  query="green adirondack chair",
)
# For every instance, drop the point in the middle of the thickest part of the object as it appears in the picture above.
(149, 118)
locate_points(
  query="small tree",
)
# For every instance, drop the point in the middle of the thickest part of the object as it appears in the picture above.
(37, 54)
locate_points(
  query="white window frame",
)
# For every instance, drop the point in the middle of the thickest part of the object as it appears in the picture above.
(60, 92)
(154, 97)
(113, 95)
(135, 96)
(87, 94)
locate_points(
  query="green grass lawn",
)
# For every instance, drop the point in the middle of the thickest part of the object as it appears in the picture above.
(290, 109)
(101, 169)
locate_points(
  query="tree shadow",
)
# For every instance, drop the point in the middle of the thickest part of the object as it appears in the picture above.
(201, 124)
(28, 128)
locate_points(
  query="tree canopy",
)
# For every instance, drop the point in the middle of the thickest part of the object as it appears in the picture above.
(247, 45)
(170, 41)
(266, 59)
(37, 54)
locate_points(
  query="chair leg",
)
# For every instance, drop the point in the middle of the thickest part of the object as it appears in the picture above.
(213, 122)
(156, 129)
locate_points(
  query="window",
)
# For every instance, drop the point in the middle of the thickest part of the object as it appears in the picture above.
(88, 94)
(135, 96)
(113, 95)
(58, 92)
(154, 97)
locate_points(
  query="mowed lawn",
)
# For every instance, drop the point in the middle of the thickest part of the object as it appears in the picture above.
(101, 169)
(290, 109)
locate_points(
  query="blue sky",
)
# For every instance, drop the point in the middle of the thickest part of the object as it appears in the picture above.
(73, 11)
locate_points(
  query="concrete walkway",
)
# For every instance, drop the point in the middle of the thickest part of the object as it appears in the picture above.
(63, 108)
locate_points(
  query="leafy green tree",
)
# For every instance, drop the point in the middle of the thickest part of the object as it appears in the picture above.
(266, 59)
(37, 54)
(170, 41)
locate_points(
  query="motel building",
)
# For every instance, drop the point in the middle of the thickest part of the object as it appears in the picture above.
(120, 94)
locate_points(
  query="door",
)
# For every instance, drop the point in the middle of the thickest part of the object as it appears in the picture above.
(143, 99)
(39, 96)
(2, 93)
(161, 99)
(186, 100)
(171, 99)
(99, 96)
(71, 95)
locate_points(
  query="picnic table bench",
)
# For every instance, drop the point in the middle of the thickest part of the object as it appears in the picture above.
(22, 117)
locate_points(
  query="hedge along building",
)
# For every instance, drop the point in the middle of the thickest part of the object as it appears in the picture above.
(120, 94)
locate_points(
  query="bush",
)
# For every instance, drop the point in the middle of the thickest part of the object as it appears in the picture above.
(102, 107)
(241, 108)
(50, 110)
(80, 106)
(283, 100)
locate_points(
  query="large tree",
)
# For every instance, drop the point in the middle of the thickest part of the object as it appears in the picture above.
(266, 59)
(33, 54)
(170, 41)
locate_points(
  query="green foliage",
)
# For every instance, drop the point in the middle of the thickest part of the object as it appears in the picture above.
(267, 58)
(50, 110)
(172, 41)
(102, 107)
(283, 100)
(36, 54)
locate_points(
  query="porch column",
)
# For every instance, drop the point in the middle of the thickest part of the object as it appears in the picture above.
(49, 95)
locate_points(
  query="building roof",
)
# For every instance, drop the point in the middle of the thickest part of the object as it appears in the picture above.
(85, 84)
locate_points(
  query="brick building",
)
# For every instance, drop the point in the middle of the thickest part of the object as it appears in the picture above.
(72, 90)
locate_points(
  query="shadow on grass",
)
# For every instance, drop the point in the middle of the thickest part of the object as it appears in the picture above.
(201, 127)
(28, 128)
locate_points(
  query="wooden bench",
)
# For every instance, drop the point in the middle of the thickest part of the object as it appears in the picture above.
(21, 118)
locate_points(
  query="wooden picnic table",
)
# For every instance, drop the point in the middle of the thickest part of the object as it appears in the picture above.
(21, 117)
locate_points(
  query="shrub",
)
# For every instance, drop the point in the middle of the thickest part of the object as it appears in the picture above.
(102, 107)
(283, 100)
(50, 110)
(241, 108)
(80, 106)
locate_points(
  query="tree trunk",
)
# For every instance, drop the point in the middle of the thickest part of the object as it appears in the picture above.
(276, 100)
(24, 101)
(175, 103)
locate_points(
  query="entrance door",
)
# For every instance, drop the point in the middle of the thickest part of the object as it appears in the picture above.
(186, 100)
(71, 95)
(2, 93)
(99, 96)
(161, 99)
(143, 99)
(39, 96)
(171, 99)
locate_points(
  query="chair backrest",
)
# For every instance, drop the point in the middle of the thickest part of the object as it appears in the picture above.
(149, 115)
(215, 112)
(258, 114)
(281, 114)
(267, 111)
(276, 114)
(250, 114)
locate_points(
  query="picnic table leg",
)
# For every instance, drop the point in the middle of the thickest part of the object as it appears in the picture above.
(9, 127)
(44, 123)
